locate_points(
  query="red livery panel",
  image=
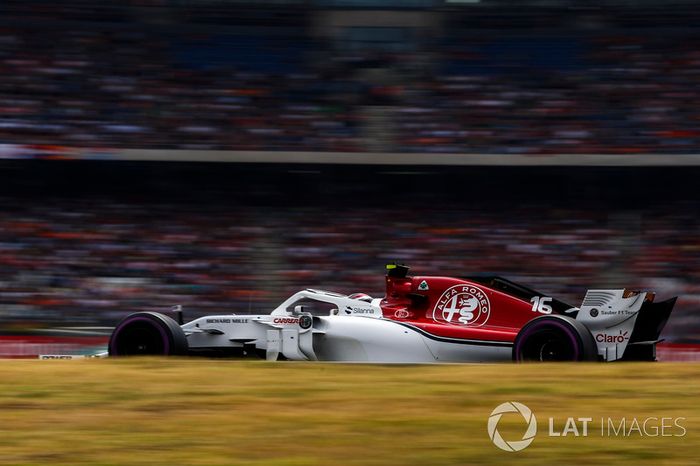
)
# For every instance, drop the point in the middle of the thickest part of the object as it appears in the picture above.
(456, 308)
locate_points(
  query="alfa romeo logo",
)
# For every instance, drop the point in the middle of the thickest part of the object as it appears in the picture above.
(463, 305)
(528, 416)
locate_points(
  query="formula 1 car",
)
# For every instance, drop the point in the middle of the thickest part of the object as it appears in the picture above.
(423, 319)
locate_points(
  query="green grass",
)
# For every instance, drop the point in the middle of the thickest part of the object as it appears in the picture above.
(217, 412)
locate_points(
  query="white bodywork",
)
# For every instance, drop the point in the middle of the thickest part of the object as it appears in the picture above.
(354, 331)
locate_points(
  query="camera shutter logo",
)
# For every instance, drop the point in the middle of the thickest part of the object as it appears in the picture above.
(512, 407)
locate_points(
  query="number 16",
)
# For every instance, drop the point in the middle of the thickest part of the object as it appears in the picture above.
(541, 304)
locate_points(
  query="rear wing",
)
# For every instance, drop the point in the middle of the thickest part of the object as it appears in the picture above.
(625, 324)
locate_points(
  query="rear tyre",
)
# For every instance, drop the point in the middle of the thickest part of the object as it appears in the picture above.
(148, 334)
(554, 338)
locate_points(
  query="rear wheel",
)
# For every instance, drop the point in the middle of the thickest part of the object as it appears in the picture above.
(147, 334)
(554, 338)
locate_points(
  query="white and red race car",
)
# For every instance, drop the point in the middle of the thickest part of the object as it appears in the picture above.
(423, 319)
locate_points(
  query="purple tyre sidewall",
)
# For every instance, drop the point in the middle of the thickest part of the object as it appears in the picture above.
(127, 321)
(543, 325)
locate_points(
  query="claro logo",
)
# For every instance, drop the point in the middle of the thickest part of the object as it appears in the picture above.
(528, 416)
(607, 338)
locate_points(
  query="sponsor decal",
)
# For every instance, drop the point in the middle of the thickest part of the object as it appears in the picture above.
(305, 322)
(530, 421)
(423, 286)
(61, 356)
(358, 310)
(401, 314)
(617, 312)
(574, 426)
(227, 321)
(593, 312)
(285, 320)
(608, 338)
(463, 305)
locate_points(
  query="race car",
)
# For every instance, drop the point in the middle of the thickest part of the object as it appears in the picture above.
(422, 319)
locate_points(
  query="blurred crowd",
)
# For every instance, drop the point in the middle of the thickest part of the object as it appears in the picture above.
(131, 85)
(91, 261)
(90, 88)
(622, 93)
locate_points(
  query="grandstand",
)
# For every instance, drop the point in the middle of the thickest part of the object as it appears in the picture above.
(362, 124)
(323, 77)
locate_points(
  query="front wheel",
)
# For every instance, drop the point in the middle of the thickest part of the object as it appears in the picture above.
(554, 338)
(148, 334)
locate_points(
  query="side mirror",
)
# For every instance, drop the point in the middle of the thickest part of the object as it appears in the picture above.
(177, 310)
(298, 310)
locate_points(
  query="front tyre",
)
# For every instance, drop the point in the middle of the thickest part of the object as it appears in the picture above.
(554, 338)
(148, 334)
